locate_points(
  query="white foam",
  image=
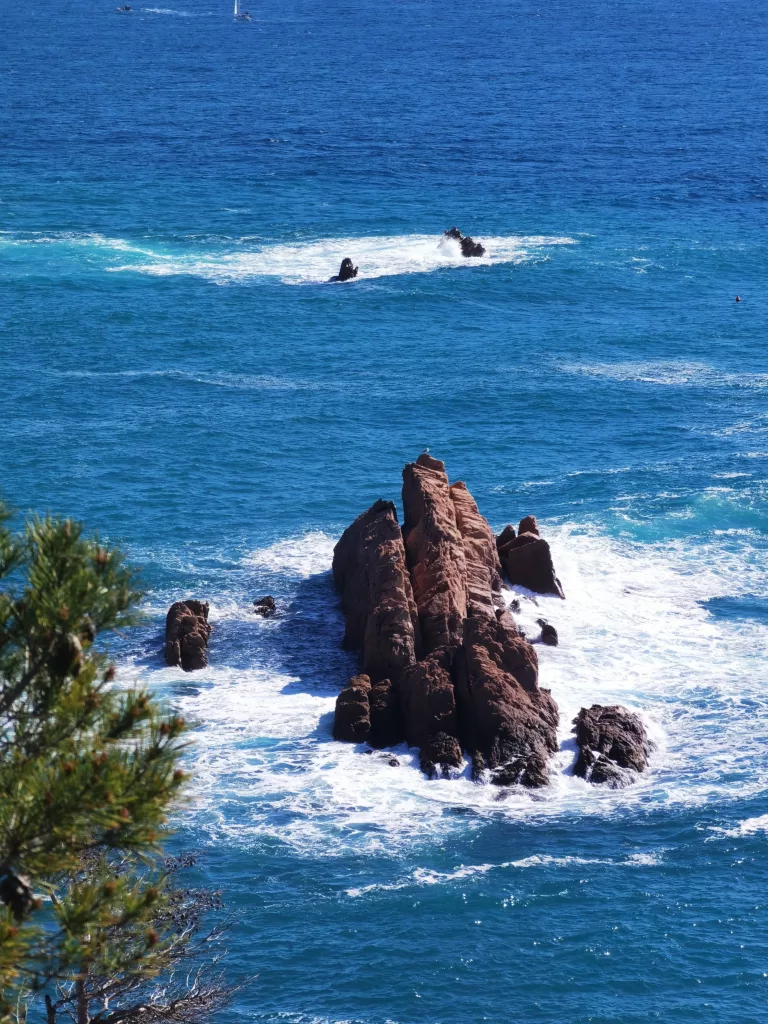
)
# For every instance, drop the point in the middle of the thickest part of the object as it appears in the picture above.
(427, 876)
(248, 258)
(632, 631)
(302, 556)
(313, 262)
(748, 827)
(667, 373)
(74, 239)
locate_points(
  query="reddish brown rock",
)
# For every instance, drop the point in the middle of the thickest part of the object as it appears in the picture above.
(613, 745)
(505, 717)
(352, 722)
(527, 559)
(435, 552)
(503, 540)
(370, 571)
(187, 632)
(450, 669)
(480, 554)
(528, 524)
(429, 709)
(387, 726)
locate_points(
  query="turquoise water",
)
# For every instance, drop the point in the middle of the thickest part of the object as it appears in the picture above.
(174, 190)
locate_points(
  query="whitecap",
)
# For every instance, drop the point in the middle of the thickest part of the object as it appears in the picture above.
(429, 876)
(313, 262)
(633, 630)
(748, 827)
(667, 373)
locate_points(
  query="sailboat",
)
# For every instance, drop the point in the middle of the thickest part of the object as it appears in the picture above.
(241, 15)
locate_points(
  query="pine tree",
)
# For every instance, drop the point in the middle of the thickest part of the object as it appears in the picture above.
(88, 775)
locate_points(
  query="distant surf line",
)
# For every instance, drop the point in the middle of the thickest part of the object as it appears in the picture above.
(242, 259)
(315, 261)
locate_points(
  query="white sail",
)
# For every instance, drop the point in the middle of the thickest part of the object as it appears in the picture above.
(237, 8)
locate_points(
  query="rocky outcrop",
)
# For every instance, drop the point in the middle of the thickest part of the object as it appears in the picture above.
(613, 745)
(435, 552)
(527, 559)
(370, 571)
(265, 606)
(387, 725)
(451, 671)
(187, 632)
(352, 721)
(483, 568)
(506, 718)
(369, 712)
(429, 711)
(347, 271)
(548, 633)
(469, 247)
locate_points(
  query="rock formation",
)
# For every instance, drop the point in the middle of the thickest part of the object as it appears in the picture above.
(548, 633)
(346, 271)
(527, 560)
(387, 726)
(469, 247)
(265, 606)
(446, 668)
(506, 719)
(187, 632)
(376, 595)
(435, 552)
(352, 721)
(613, 745)
(483, 568)
(369, 712)
(429, 709)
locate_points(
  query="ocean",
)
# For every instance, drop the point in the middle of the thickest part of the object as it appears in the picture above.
(175, 190)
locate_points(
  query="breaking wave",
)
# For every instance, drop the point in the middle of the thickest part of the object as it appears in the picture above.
(426, 876)
(245, 259)
(667, 373)
(636, 628)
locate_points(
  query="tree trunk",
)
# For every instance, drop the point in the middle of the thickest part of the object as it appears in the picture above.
(82, 1003)
(50, 1012)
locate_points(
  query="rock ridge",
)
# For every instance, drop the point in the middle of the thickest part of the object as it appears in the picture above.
(444, 665)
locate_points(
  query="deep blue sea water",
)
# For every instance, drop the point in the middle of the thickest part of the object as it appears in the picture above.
(175, 188)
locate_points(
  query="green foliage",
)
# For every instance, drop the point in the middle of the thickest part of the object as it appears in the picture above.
(88, 771)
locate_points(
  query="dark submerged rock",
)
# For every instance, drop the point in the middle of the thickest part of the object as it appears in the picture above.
(469, 247)
(187, 632)
(548, 633)
(347, 271)
(265, 606)
(613, 745)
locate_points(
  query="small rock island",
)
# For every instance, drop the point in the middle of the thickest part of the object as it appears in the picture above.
(445, 667)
